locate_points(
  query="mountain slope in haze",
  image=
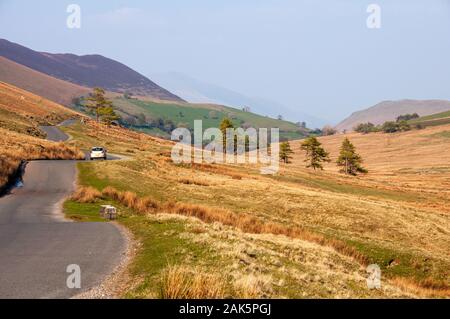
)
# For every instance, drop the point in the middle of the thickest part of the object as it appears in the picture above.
(88, 70)
(41, 84)
(196, 91)
(390, 110)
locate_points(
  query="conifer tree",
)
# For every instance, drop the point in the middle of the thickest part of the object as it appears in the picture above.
(315, 154)
(285, 152)
(97, 102)
(350, 161)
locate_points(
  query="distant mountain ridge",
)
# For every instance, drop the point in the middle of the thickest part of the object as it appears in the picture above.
(390, 110)
(88, 70)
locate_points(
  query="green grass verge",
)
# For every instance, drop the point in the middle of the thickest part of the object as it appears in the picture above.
(82, 212)
(394, 263)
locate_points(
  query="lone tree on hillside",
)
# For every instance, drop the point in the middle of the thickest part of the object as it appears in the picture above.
(285, 152)
(224, 125)
(315, 154)
(349, 160)
(97, 102)
(107, 115)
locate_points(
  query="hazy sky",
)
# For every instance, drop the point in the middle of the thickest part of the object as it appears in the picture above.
(315, 55)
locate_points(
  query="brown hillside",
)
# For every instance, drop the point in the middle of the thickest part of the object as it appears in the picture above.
(59, 91)
(19, 107)
(87, 70)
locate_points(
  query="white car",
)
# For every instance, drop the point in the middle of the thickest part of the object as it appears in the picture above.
(98, 153)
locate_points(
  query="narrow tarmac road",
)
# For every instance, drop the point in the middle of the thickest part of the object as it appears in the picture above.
(37, 244)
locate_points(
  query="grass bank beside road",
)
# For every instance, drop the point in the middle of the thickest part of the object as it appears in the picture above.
(16, 147)
(404, 228)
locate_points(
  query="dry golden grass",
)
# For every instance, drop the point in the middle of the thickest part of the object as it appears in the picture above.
(416, 161)
(189, 181)
(424, 289)
(253, 225)
(86, 195)
(217, 169)
(8, 167)
(252, 286)
(32, 107)
(243, 222)
(397, 211)
(180, 282)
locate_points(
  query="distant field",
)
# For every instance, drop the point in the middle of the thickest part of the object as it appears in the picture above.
(185, 114)
(433, 120)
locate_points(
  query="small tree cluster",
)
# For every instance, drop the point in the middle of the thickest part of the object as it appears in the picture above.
(393, 127)
(328, 130)
(349, 161)
(366, 128)
(401, 124)
(407, 117)
(141, 121)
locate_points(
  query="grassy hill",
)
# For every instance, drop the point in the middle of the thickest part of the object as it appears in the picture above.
(433, 120)
(297, 234)
(184, 114)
